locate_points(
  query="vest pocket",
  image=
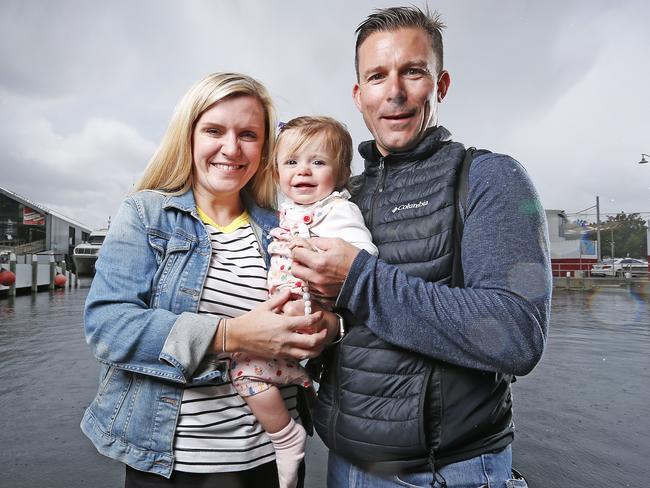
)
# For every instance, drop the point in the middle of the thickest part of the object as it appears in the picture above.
(381, 411)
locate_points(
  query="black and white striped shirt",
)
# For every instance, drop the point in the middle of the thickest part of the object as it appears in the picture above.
(216, 431)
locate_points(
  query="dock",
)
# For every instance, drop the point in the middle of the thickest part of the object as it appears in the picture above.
(640, 286)
(35, 272)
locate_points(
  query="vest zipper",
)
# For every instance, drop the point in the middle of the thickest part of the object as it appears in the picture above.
(380, 188)
(336, 399)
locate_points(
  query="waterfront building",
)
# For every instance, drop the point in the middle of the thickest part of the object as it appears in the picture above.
(571, 251)
(27, 227)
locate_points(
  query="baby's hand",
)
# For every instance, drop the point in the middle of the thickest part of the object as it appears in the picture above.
(300, 242)
(296, 308)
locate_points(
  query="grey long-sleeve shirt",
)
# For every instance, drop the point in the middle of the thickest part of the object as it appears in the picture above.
(499, 320)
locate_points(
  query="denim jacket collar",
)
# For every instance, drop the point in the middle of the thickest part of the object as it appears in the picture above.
(185, 202)
(265, 218)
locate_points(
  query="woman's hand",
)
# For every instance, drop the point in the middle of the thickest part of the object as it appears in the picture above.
(329, 320)
(265, 332)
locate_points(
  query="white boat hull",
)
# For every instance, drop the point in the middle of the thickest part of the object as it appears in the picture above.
(84, 264)
(85, 254)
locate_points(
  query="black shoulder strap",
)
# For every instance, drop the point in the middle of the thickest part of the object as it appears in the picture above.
(462, 187)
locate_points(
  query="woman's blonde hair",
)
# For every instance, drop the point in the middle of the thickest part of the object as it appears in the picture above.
(335, 135)
(170, 169)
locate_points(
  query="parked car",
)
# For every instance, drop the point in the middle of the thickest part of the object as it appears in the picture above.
(620, 266)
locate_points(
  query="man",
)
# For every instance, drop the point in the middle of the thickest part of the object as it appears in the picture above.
(417, 392)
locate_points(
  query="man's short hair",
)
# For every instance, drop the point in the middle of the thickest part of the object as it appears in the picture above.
(394, 18)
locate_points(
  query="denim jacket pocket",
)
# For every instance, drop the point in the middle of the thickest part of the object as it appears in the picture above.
(171, 253)
(110, 397)
(158, 241)
(106, 375)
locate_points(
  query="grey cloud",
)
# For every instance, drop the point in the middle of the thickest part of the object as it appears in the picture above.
(560, 85)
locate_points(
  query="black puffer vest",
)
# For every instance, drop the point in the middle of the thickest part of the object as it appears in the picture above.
(380, 406)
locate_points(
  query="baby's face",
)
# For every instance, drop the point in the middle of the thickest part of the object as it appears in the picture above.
(308, 174)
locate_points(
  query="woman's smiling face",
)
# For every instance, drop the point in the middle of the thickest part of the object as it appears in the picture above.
(227, 145)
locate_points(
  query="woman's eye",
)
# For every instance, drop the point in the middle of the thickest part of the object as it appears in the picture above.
(249, 136)
(213, 131)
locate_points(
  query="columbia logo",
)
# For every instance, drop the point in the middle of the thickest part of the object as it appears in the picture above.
(409, 206)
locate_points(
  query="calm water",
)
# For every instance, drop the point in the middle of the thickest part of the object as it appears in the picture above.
(583, 415)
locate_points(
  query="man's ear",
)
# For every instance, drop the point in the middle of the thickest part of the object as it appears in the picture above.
(356, 96)
(444, 81)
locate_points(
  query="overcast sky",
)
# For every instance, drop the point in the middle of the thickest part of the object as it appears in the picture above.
(87, 87)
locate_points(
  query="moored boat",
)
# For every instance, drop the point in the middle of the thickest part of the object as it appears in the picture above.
(85, 254)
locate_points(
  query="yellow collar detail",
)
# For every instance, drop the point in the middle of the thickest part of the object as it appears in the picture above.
(239, 221)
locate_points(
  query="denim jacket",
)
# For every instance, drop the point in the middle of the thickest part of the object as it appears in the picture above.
(141, 322)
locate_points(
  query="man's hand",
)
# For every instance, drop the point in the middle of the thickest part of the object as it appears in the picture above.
(326, 269)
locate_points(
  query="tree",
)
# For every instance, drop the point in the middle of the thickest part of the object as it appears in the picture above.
(629, 232)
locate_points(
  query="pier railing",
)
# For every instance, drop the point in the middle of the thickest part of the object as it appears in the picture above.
(24, 248)
(583, 270)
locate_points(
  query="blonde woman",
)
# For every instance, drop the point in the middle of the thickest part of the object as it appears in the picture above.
(180, 283)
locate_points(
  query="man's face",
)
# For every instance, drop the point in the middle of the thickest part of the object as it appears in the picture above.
(398, 90)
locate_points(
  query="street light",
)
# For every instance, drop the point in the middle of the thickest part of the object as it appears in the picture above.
(643, 159)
